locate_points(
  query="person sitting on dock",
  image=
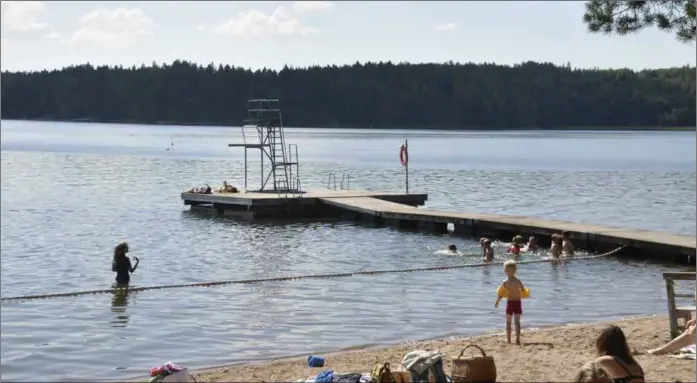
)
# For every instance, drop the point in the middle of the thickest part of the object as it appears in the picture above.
(487, 250)
(228, 188)
(531, 246)
(202, 190)
(555, 249)
(121, 264)
(567, 247)
(515, 246)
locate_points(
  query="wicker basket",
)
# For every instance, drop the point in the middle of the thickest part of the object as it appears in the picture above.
(401, 376)
(473, 369)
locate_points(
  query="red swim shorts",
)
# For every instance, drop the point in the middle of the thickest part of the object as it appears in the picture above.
(514, 307)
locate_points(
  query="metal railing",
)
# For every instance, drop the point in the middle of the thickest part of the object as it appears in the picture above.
(332, 176)
(297, 188)
(346, 176)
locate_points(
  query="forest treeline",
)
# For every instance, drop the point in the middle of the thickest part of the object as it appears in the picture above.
(445, 96)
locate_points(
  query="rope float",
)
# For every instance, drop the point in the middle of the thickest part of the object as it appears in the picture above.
(290, 278)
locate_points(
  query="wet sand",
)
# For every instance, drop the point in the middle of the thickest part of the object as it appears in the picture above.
(550, 354)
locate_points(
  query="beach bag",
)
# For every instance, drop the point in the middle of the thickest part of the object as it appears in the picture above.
(182, 376)
(382, 374)
(473, 369)
(433, 374)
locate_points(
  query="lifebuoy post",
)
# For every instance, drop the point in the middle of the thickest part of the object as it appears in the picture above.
(404, 159)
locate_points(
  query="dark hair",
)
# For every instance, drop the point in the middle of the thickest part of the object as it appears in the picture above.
(612, 342)
(119, 252)
(452, 247)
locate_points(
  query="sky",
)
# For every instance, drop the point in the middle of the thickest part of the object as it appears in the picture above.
(255, 34)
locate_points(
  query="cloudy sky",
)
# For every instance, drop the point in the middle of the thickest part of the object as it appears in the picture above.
(37, 35)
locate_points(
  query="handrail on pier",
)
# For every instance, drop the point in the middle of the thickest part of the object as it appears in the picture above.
(297, 188)
(674, 312)
(347, 176)
(329, 180)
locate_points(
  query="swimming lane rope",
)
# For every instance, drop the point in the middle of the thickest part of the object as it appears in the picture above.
(291, 278)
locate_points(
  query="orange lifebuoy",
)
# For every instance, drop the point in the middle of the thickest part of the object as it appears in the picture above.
(403, 155)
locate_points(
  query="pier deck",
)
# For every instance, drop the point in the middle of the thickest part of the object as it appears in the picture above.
(401, 210)
(586, 236)
(299, 205)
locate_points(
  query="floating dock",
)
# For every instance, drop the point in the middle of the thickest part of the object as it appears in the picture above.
(309, 204)
(401, 210)
(280, 196)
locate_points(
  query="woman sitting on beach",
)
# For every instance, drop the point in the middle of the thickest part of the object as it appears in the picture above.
(615, 358)
(121, 264)
(687, 338)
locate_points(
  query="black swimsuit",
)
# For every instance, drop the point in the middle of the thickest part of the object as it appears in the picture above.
(629, 376)
(123, 269)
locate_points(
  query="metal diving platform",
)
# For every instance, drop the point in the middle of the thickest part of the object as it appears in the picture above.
(279, 164)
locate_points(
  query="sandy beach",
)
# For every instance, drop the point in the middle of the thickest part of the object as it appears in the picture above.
(550, 354)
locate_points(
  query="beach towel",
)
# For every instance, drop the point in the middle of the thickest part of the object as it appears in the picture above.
(689, 353)
(325, 376)
(365, 378)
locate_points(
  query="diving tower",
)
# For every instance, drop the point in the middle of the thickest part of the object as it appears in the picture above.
(279, 163)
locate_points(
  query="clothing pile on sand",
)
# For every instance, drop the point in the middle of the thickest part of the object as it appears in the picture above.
(416, 366)
(169, 372)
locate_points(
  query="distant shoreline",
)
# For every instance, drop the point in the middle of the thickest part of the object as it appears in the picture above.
(351, 126)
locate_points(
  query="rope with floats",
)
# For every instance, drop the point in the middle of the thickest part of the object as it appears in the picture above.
(292, 278)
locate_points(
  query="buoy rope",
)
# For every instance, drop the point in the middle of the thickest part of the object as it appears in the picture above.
(292, 278)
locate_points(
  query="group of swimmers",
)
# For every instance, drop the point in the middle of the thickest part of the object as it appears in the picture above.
(561, 246)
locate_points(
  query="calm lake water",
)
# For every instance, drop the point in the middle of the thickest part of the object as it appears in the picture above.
(70, 192)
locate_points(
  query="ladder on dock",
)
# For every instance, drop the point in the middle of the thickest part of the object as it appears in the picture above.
(283, 170)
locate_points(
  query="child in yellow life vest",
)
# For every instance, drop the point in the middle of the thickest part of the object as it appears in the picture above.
(513, 290)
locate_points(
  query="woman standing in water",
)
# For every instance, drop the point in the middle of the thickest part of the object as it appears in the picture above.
(121, 264)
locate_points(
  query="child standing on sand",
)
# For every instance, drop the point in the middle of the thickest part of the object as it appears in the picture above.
(513, 290)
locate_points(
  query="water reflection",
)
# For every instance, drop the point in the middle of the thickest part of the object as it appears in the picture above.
(119, 301)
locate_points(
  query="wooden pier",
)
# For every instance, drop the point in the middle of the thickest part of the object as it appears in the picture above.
(308, 204)
(401, 210)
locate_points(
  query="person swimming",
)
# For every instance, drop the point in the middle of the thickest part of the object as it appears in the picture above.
(121, 264)
(452, 248)
(487, 250)
(555, 249)
(531, 245)
(515, 246)
(567, 246)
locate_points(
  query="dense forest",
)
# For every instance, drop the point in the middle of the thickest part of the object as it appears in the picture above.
(449, 96)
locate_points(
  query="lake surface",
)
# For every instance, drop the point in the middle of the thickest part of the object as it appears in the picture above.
(70, 192)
